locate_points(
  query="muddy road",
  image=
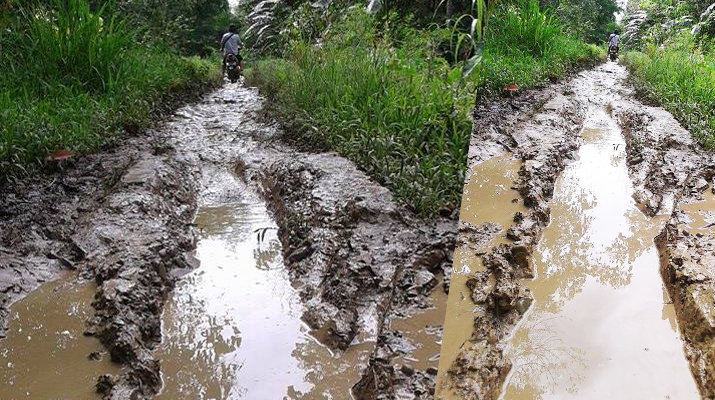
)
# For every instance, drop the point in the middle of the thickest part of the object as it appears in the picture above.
(584, 258)
(208, 259)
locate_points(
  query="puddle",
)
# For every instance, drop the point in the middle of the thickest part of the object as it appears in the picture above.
(423, 331)
(487, 197)
(45, 353)
(232, 328)
(700, 215)
(601, 326)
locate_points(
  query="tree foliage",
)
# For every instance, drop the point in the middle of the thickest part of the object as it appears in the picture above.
(189, 26)
(591, 20)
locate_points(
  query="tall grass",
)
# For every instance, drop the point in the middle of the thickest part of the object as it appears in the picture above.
(395, 106)
(681, 78)
(74, 79)
(398, 112)
(528, 47)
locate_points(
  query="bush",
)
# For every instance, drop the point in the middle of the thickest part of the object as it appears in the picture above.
(680, 77)
(528, 47)
(383, 94)
(73, 79)
(401, 114)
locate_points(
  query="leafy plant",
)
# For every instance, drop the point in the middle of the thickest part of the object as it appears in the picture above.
(74, 78)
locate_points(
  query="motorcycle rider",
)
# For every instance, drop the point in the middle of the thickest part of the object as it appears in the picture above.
(613, 40)
(231, 44)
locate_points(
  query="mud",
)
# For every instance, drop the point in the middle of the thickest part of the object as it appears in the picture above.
(357, 259)
(362, 268)
(542, 129)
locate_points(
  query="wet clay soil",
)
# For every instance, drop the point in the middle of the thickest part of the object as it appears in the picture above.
(308, 280)
(595, 310)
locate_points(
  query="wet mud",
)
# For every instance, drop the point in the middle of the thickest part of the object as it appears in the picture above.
(297, 251)
(508, 285)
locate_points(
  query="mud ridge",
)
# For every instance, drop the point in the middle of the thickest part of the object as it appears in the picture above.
(542, 129)
(357, 257)
(121, 219)
(669, 171)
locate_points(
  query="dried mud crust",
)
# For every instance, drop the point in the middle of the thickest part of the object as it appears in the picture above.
(542, 129)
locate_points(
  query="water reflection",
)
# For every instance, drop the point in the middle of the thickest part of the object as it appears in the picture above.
(487, 198)
(599, 327)
(233, 328)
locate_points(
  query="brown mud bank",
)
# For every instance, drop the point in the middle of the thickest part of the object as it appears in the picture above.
(121, 219)
(365, 270)
(542, 131)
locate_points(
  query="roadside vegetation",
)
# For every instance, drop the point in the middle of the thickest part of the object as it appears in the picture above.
(75, 78)
(672, 60)
(395, 93)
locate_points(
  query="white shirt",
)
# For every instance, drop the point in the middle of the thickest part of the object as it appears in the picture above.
(613, 39)
(232, 43)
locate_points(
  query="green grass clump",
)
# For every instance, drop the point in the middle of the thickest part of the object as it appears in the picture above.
(401, 114)
(74, 79)
(386, 96)
(681, 78)
(528, 47)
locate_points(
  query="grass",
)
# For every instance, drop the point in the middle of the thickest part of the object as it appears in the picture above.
(399, 113)
(528, 48)
(681, 78)
(387, 97)
(75, 80)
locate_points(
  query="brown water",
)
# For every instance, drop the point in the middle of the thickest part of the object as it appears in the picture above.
(232, 328)
(701, 214)
(45, 353)
(487, 197)
(422, 331)
(601, 326)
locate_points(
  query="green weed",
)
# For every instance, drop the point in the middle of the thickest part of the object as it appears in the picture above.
(681, 78)
(74, 79)
(395, 105)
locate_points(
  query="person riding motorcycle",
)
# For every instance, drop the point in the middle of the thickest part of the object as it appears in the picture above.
(613, 41)
(231, 44)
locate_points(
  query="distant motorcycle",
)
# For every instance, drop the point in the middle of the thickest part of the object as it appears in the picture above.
(613, 53)
(233, 68)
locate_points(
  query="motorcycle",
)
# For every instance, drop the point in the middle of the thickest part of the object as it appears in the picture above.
(233, 68)
(613, 53)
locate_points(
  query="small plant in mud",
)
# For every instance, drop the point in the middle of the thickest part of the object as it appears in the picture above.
(261, 233)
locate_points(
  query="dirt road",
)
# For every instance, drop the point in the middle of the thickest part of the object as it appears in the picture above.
(305, 239)
(562, 280)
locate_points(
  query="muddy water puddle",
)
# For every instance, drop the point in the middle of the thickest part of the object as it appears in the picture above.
(700, 215)
(423, 331)
(488, 197)
(232, 328)
(601, 326)
(45, 355)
